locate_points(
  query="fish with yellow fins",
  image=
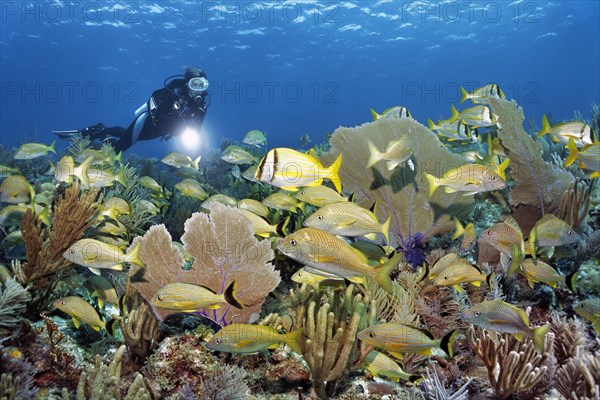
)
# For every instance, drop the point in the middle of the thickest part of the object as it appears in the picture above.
(379, 364)
(102, 289)
(477, 117)
(456, 274)
(468, 179)
(179, 160)
(283, 201)
(326, 252)
(189, 298)
(483, 94)
(507, 238)
(581, 133)
(590, 310)
(29, 151)
(246, 338)
(290, 169)
(349, 219)
(316, 279)
(499, 316)
(97, 255)
(401, 338)
(263, 228)
(467, 232)
(320, 196)
(538, 271)
(82, 312)
(396, 112)
(588, 157)
(396, 153)
(548, 232)
(16, 189)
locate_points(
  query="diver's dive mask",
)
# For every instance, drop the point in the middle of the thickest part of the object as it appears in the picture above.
(197, 87)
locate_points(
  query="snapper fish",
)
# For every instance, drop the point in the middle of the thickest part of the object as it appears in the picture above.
(499, 316)
(445, 262)
(456, 274)
(237, 155)
(396, 112)
(328, 253)
(102, 289)
(379, 364)
(483, 94)
(82, 312)
(97, 255)
(538, 271)
(316, 279)
(469, 235)
(179, 160)
(65, 170)
(349, 219)
(476, 117)
(456, 130)
(581, 133)
(16, 189)
(397, 339)
(290, 169)
(6, 170)
(396, 153)
(263, 228)
(190, 298)
(282, 201)
(219, 198)
(590, 310)
(246, 338)
(121, 205)
(100, 178)
(254, 206)
(255, 138)
(99, 157)
(191, 188)
(507, 238)
(320, 196)
(588, 157)
(29, 151)
(249, 173)
(468, 179)
(549, 232)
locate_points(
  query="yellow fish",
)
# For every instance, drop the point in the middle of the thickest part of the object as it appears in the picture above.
(290, 169)
(150, 183)
(315, 278)
(98, 157)
(282, 201)
(588, 156)
(590, 310)
(581, 133)
(396, 112)
(237, 155)
(349, 219)
(16, 189)
(179, 160)
(102, 289)
(476, 117)
(456, 274)
(507, 238)
(468, 179)
(326, 252)
(255, 138)
(219, 198)
(97, 255)
(81, 311)
(539, 271)
(378, 364)
(191, 188)
(482, 94)
(6, 170)
(254, 206)
(396, 153)
(121, 205)
(500, 316)
(99, 178)
(445, 262)
(319, 196)
(401, 338)
(245, 338)
(549, 232)
(190, 298)
(109, 228)
(263, 228)
(469, 238)
(29, 151)
(65, 170)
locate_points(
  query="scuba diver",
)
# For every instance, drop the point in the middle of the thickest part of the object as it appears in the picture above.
(180, 104)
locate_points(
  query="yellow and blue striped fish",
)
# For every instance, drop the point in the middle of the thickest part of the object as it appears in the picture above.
(81, 311)
(188, 297)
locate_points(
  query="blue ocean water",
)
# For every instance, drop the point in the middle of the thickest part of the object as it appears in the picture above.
(288, 67)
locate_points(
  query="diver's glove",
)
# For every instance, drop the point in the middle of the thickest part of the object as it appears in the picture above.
(94, 131)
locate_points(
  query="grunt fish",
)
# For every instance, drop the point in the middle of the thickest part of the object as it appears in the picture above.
(581, 133)
(468, 179)
(470, 235)
(236, 155)
(16, 189)
(179, 160)
(379, 364)
(538, 271)
(396, 153)
(191, 188)
(29, 151)
(549, 232)
(482, 94)
(245, 338)
(81, 311)
(97, 255)
(190, 298)
(255, 138)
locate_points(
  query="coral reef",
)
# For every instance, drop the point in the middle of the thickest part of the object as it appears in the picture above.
(224, 250)
(579, 378)
(226, 384)
(330, 323)
(13, 302)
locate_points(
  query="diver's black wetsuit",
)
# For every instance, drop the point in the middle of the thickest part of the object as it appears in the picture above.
(166, 114)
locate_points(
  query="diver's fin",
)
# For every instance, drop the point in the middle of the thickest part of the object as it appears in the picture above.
(66, 134)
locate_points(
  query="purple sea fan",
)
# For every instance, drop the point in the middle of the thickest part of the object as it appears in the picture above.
(401, 192)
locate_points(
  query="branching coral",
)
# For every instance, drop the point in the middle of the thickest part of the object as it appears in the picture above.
(400, 193)
(45, 247)
(140, 327)
(103, 382)
(569, 335)
(436, 390)
(575, 202)
(538, 183)
(226, 384)
(512, 366)
(330, 323)
(579, 378)
(224, 250)
(13, 302)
